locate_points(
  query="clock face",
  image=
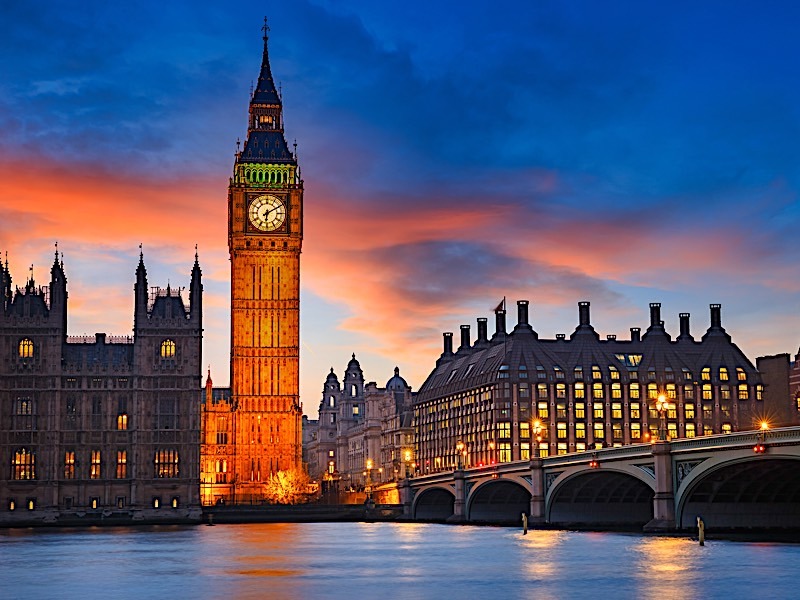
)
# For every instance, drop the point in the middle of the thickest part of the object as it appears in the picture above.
(267, 213)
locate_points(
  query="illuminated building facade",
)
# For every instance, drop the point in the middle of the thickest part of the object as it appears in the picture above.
(362, 427)
(265, 232)
(101, 428)
(781, 377)
(584, 392)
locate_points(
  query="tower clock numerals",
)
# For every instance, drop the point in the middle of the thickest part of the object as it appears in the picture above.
(267, 213)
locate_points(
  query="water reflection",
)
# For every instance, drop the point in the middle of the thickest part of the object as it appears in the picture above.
(355, 560)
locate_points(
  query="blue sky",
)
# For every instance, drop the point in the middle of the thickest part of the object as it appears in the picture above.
(621, 153)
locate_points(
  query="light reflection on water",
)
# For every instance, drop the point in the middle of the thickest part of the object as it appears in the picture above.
(373, 560)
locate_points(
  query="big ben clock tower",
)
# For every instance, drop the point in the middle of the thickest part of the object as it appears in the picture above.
(265, 233)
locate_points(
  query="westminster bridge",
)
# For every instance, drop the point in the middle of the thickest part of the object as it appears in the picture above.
(739, 480)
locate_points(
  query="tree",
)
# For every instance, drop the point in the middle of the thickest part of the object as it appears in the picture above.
(287, 487)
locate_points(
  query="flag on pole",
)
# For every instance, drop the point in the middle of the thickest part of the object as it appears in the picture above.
(501, 306)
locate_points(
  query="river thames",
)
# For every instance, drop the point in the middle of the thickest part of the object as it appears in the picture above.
(382, 560)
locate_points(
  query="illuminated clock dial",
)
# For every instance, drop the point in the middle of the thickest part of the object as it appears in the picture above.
(267, 213)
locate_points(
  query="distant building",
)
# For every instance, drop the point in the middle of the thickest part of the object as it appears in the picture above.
(781, 377)
(102, 427)
(361, 426)
(585, 392)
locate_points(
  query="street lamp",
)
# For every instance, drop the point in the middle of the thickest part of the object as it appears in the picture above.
(462, 453)
(369, 479)
(761, 441)
(537, 430)
(407, 457)
(491, 452)
(661, 406)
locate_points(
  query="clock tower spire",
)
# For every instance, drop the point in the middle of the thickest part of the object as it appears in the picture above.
(265, 233)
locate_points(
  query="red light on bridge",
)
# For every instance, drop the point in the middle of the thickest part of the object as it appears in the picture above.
(593, 464)
(759, 448)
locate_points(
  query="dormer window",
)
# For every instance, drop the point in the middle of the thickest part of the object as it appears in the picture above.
(26, 348)
(167, 349)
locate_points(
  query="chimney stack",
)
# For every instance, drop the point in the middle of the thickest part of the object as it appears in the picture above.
(636, 334)
(655, 314)
(522, 313)
(448, 343)
(465, 342)
(716, 316)
(685, 332)
(483, 330)
(583, 314)
(500, 322)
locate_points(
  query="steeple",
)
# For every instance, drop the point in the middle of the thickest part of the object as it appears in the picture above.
(58, 291)
(196, 289)
(265, 141)
(140, 293)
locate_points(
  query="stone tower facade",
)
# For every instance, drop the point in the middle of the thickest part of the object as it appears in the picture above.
(265, 233)
(101, 428)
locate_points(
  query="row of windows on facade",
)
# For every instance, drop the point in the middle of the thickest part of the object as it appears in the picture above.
(94, 503)
(25, 415)
(25, 349)
(667, 374)
(24, 466)
(597, 391)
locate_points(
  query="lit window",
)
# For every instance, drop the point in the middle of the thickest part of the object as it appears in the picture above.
(759, 392)
(707, 395)
(24, 465)
(580, 391)
(69, 464)
(688, 410)
(636, 431)
(708, 430)
(580, 431)
(580, 446)
(672, 430)
(690, 430)
(122, 422)
(613, 372)
(616, 431)
(616, 390)
(544, 449)
(525, 450)
(705, 374)
(578, 373)
(167, 349)
(634, 391)
(597, 390)
(356, 410)
(740, 374)
(671, 392)
(561, 390)
(26, 348)
(596, 374)
(156, 502)
(561, 431)
(542, 410)
(504, 430)
(330, 453)
(122, 464)
(541, 390)
(166, 464)
(599, 431)
(723, 374)
(95, 502)
(524, 430)
(580, 410)
(688, 392)
(652, 391)
(561, 410)
(332, 402)
(616, 410)
(94, 472)
(175, 502)
(598, 410)
(744, 392)
(562, 448)
(687, 374)
(504, 452)
(725, 392)
(726, 428)
(636, 411)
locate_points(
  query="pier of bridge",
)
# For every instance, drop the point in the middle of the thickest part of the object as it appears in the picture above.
(663, 486)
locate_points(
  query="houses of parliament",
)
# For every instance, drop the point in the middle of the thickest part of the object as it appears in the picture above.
(116, 428)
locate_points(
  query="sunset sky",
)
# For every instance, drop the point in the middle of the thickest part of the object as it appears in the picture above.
(453, 154)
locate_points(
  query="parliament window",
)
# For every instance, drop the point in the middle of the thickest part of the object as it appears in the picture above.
(23, 465)
(26, 348)
(744, 392)
(167, 349)
(94, 472)
(24, 414)
(122, 422)
(122, 464)
(166, 464)
(740, 374)
(69, 464)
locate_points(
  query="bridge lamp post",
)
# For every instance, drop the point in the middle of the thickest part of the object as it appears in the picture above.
(661, 407)
(368, 474)
(461, 449)
(537, 430)
(491, 452)
(761, 442)
(407, 457)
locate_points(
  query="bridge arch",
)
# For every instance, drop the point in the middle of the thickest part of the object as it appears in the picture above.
(742, 491)
(610, 495)
(501, 500)
(434, 503)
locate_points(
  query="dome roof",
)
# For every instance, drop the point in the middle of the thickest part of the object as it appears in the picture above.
(396, 383)
(353, 364)
(331, 377)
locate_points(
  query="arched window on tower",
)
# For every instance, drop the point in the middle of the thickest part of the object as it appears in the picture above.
(167, 349)
(25, 348)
